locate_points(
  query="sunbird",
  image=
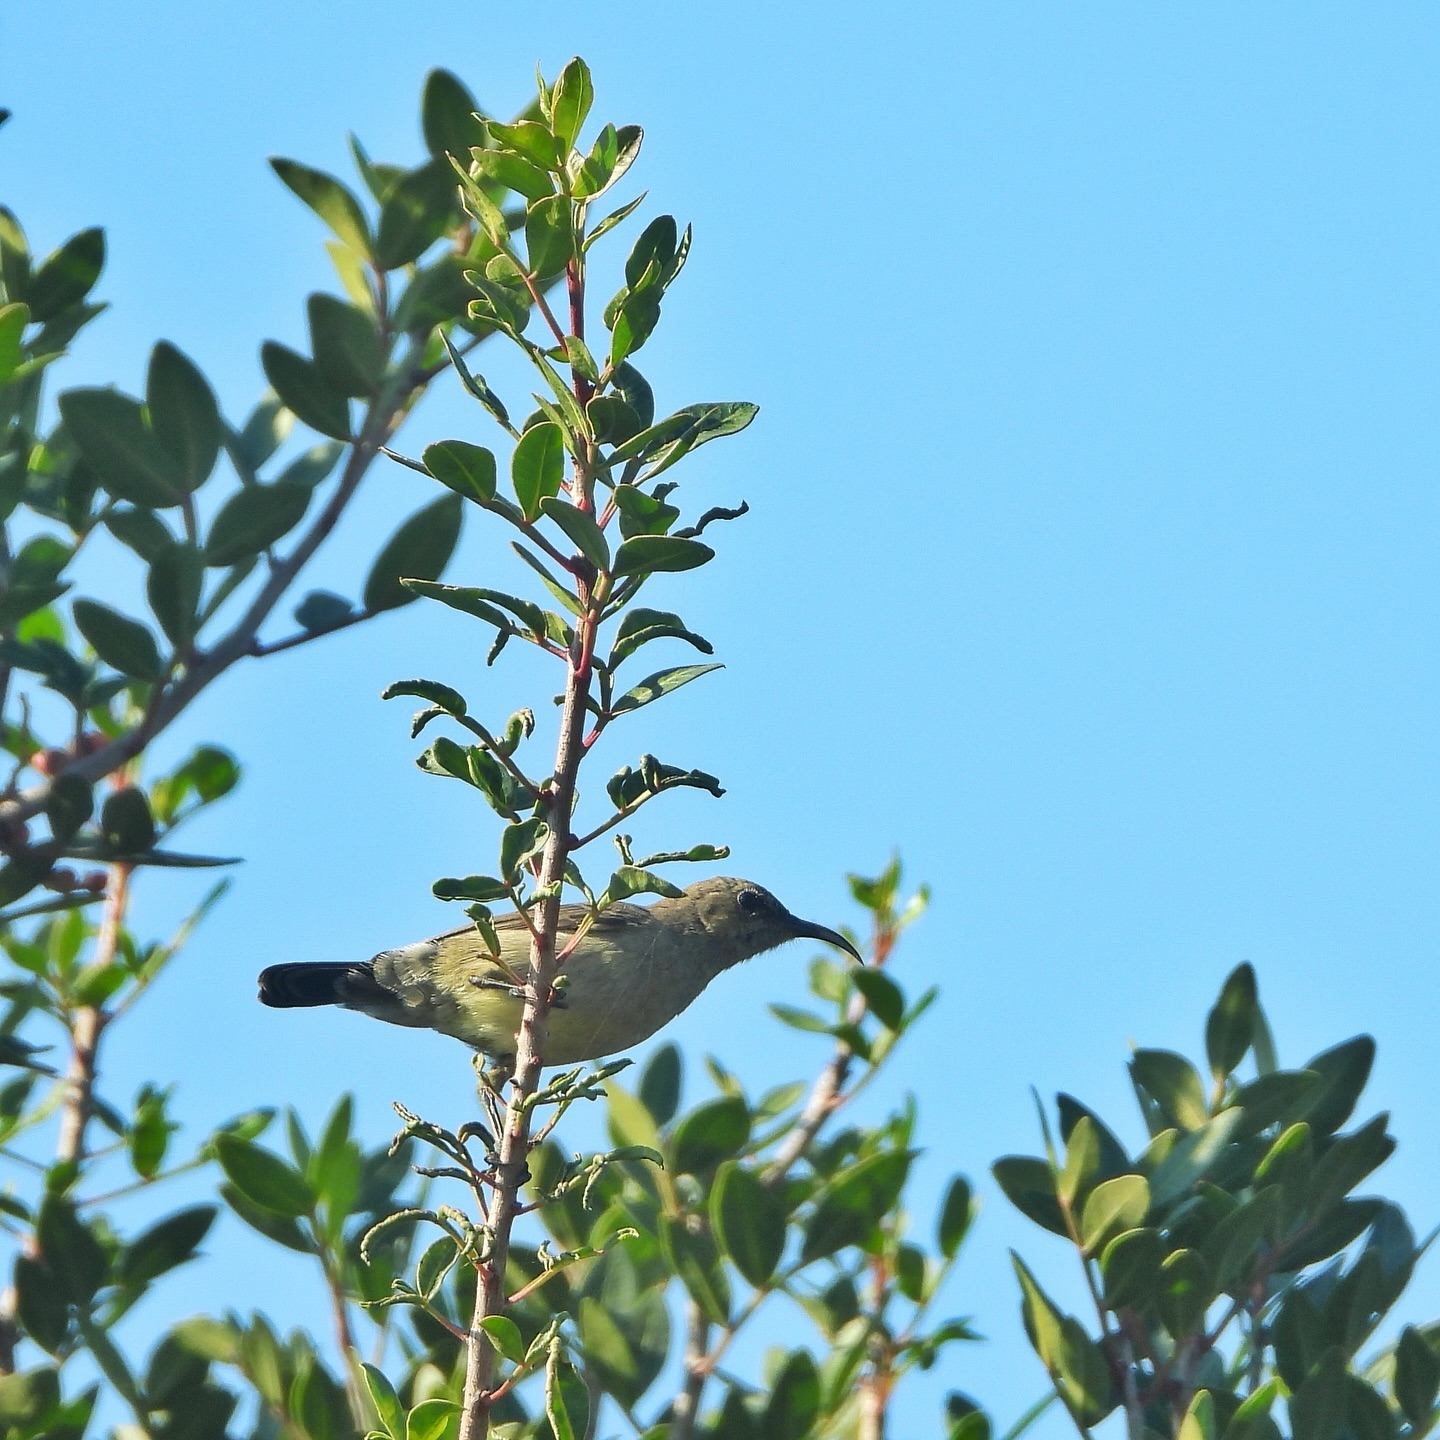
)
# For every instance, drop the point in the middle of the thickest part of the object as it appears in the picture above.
(634, 970)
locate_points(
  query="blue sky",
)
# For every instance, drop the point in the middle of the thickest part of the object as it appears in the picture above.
(1092, 555)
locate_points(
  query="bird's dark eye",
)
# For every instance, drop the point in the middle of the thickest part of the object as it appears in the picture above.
(750, 901)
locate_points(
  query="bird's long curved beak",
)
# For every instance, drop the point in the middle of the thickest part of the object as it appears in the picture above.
(805, 930)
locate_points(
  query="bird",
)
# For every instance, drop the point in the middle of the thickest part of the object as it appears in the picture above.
(634, 970)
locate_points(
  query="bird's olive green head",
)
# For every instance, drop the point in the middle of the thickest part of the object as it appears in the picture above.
(746, 919)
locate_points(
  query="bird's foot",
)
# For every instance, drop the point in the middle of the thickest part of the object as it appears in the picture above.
(484, 982)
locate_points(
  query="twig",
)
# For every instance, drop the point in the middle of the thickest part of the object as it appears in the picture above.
(88, 1024)
(685, 1410)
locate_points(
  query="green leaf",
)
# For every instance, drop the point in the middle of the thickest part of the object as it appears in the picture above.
(472, 600)
(420, 549)
(1192, 1157)
(660, 1083)
(885, 999)
(69, 805)
(956, 1212)
(468, 470)
(631, 880)
(110, 430)
(43, 1311)
(448, 699)
(142, 531)
(580, 528)
(600, 171)
(13, 320)
(67, 276)
(262, 1177)
(649, 554)
(71, 1250)
(1029, 1185)
(640, 626)
(710, 1133)
(320, 611)
(416, 213)
(549, 235)
(125, 821)
(173, 588)
(1186, 1292)
(386, 1401)
(349, 354)
(794, 1403)
(166, 1244)
(448, 115)
(330, 200)
(483, 888)
(537, 467)
(1345, 1069)
(1417, 1377)
(1171, 1081)
(570, 101)
(1199, 1422)
(430, 1419)
(1113, 1206)
(519, 844)
(513, 173)
(124, 644)
(527, 138)
(749, 1222)
(629, 1121)
(184, 418)
(662, 682)
(305, 390)
(692, 1256)
(27, 1397)
(1130, 1268)
(313, 466)
(253, 519)
(1230, 1026)
(1075, 1362)
(1082, 1162)
(854, 1203)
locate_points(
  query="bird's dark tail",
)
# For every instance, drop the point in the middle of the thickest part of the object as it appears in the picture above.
(288, 987)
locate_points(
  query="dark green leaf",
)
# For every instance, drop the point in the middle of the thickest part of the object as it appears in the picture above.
(955, 1215)
(417, 212)
(483, 888)
(143, 531)
(1186, 1290)
(883, 996)
(1417, 1376)
(1029, 1185)
(125, 821)
(640, 626)
(122, 643)
(468, 470)
(580, 528)
(174, 587)
(420, 549)
(519, 844)
(692, 1256)
(1173, 1084)
(166, 1244)
(451, 701)
(330, 200)
(851, 1205)
(1344, 1071)
(660, 1084)
(662, 682)
(1192, 1157)
(1113, 1206)
(1230, 1026)
(448, 115)
(306, 391)
(1130, 1267)
(648, 554)
(349, 355)
(69, 805)
(71, 1250)
(67, 276)
(794, 1403)
(112, 435)
(263, 1178)
(313, 466)
(749, 1222)
(570, 101)
(505, 1336)
(253, 519)
(710, 1133)
(184, 417)
(320, 611)
(42, 1308)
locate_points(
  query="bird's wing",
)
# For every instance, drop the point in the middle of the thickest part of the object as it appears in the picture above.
(464, 947)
